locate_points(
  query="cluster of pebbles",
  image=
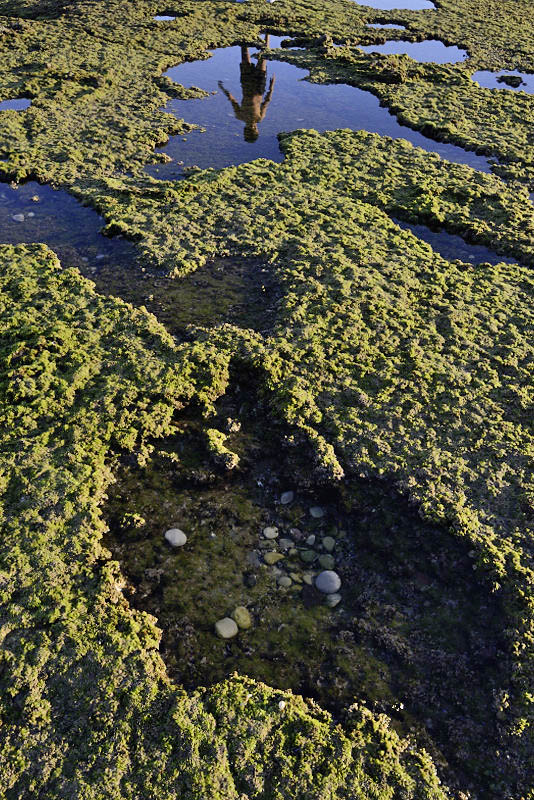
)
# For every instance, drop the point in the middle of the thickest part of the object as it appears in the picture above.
(295, 558)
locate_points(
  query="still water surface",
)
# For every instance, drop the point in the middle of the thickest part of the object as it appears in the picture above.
(429, 51)
(490, 80)
(35, 213)
(252, 101)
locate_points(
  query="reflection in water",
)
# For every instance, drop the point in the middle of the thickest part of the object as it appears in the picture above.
(295, 103)
(429, 51)
(509, 79)
(254, 105)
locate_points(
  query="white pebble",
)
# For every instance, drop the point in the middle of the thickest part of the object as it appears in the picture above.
(175, 537)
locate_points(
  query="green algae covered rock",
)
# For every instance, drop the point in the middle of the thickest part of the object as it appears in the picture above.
(86, 707)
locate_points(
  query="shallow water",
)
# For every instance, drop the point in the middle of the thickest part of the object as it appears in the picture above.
(387, 26)
(35, 213)
(454, 247)
(231, 137)
(430, 51)
(19, 104)
(391, 5)
(163, 19)
(489, 80)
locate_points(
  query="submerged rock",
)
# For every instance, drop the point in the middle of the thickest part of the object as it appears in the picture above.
(327, 561)
(317, 512)
(287, 497)
(175, 537)
(226, 628)
(18, 217)
(333, 600)
(328, 582)
(272, 558)
(270, 532)
(242, 617)
(329, 543)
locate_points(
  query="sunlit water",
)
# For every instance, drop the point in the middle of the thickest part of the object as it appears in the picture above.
(490, 80)
(243, 124)
(430, 51)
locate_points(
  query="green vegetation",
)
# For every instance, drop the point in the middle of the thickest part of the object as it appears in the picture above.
(394, 371)
(87, 707)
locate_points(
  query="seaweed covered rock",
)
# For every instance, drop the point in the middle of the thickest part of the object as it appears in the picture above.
(87, 708)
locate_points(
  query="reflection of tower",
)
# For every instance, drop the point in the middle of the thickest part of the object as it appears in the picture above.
(254, 105)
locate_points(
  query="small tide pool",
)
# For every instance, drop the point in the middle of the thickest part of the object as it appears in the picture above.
(34, 213)
(507, 79)
(253, 99)
(18, 104)
(429, 51)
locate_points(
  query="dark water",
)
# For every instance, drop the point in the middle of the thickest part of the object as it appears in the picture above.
(19, 104)
(390, 5)
(388, 25)
(34, 213)
(454, 247)
(246, 94)
(431, 50)
(489, 80)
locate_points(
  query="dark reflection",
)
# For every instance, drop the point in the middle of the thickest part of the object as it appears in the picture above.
(254, 104)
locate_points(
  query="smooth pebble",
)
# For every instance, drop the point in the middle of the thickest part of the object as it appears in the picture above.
(270, 532)
(226, 628)
(242, 617)
(287, 497)
(329, 543)
(317, 512)
(333, 600)
(328, 582)
(272, 557)
(175, 537)
(327, 561)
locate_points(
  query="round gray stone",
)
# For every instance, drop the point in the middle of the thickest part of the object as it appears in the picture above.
(317, 512)
(226, 628)
(327, 561)
(329, 543)
(18, 217)
(311, 540)
(284, 581)
(285, 544)
(175, 537)
(328, 582)
(308, 556)
(287, 497)
(333, 600)
(270, 532)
